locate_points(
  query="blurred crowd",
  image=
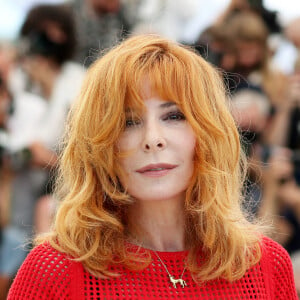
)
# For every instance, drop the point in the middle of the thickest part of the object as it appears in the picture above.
(42, 71)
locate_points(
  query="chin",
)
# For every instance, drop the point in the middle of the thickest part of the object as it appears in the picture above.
(158, 195)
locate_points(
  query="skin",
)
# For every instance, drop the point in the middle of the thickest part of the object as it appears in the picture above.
(101, 7)
(160, 135)
(4, 106)
(249, 53)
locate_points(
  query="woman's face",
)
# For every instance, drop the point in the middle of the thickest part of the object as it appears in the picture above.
(161, 158)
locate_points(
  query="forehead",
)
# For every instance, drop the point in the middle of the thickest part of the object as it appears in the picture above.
(154, 103)
(146, 89)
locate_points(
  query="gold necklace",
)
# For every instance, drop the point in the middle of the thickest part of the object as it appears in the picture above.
(173, 280)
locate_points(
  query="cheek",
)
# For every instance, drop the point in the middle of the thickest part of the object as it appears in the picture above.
(186, 145)
(188, 142)
(124, 167)
(128, 141)
(127, 146)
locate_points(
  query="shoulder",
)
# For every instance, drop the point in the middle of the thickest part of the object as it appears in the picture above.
(45, 252)
(277, 267)
(45, 274)
(274, 252)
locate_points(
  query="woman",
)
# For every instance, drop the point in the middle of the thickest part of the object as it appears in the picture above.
(150, 179)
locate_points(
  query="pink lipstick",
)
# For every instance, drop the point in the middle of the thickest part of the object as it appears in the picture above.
(156, 170)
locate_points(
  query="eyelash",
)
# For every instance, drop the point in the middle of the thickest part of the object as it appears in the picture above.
(174, 116)
(170, 116)
(130, 122)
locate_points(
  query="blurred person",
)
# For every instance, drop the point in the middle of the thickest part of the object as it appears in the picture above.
(5, 105)
(289, 114)
(272, 191)
(281, 197)
(288, 47)
(251, 110)
(281, 94)
(10, 69)
(296, 267)
(5, 277)
(251, 107)
(31, 128)
(249, 36)
(165, 17)
(47, 41)
(215, 45)
(292, 32)
(286, 131)
(251, 104)
(253, 6)
(294, 97)
(288, 134)
(11, 257)
(48, 36)
(21, 113)
(13, 139)
(289, 195)
(263, 130)
(7, 59)
(100, 25)
(150, 190)
(252, 61)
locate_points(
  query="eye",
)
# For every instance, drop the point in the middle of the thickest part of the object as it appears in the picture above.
(174, 116)
(130, 122)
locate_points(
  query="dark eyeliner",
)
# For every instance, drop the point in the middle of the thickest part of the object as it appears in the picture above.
(176, 115)
(132, 121)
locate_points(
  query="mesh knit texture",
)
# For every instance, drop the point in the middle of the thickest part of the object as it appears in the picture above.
(48, 274)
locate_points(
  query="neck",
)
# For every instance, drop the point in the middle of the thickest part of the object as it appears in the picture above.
(158, 225)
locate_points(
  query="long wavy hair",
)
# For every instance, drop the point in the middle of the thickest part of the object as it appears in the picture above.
(91, 223)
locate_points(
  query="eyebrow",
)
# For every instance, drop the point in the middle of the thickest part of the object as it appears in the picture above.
(167, 104)
(163, 105)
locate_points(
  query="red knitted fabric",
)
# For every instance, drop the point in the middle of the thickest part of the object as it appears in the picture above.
(48, 274)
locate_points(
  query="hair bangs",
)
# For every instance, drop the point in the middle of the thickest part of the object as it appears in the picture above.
(156, 73)
(167, 79)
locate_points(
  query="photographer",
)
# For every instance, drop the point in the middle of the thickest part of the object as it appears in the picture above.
(272, 191)
(286, 131)
(254, 6)
(49, 44)
(288, 187)
(281, 198)
(33, 126)
(15, 132)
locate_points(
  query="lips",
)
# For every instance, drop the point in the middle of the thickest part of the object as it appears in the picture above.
(156, 168)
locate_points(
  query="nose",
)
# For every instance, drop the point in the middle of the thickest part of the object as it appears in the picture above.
(153, 139)
(154, 146)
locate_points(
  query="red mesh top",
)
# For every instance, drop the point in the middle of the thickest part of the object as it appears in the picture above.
(48, 274)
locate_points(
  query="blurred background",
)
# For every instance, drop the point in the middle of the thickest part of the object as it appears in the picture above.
(46, 48)
(12, 13)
